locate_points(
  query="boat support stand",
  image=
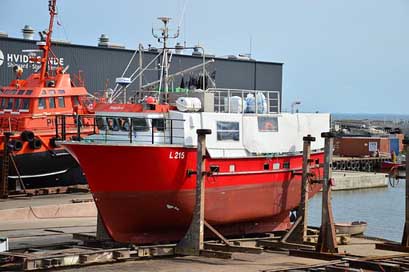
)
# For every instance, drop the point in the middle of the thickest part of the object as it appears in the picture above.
(192, 244)
(296, 239)
(404, 245)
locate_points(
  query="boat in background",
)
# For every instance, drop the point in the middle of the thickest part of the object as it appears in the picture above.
(351, 228)
(141, 165)
(27, 110)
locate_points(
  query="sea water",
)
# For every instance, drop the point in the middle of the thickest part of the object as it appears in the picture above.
(382, 208)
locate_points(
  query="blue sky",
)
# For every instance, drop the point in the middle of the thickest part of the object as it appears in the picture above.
(339, 55)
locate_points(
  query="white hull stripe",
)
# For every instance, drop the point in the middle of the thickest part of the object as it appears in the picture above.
(40, 175)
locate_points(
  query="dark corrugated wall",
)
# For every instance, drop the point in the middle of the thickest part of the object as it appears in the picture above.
(102, 65)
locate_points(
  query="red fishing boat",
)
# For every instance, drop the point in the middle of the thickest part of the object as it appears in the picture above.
(141, 165)
(27, 111)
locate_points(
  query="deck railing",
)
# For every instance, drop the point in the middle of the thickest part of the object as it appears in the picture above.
(245, 101)
(115, 129)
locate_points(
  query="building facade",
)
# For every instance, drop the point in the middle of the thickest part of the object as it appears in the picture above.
(100, 66)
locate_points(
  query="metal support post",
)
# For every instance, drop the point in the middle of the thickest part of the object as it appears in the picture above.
(192, 242)
(4, 182)
(298, 232)
(405, 237)
(101, 233)
(327, 237)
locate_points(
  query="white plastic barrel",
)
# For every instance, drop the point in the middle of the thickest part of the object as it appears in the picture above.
(188, 104)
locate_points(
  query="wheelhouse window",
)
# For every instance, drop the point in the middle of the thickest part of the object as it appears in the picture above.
(20, 92)
(13, 92)
(228, 131)
(51, 92)
(75, 100)
(17, 103)
(158, 124)
(101, 123)
(61, 92)
(61, 102)
(3, 102)
(25, 105)
(267, 123)
(139, 124)
(124, 124)
(51, 102)
(41, 103)
(112, 124)
(43, 92)
(29, 92)
(10, 103)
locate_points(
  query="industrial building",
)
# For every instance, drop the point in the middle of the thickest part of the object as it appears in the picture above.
(100, 65)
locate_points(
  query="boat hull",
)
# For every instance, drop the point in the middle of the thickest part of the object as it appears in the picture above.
(145, 195)
(44, 169)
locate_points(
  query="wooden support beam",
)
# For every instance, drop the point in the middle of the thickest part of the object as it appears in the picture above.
(298, 232)
(315, 255)
(392, 247)
(192, 242)
(374, 266)
(282, 245)
(327, 238)
(232, 248)
(405, 236)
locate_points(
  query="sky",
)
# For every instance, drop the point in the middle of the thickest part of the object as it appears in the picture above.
(339, 55)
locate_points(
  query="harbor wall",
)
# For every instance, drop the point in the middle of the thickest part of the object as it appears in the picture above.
(348, 180)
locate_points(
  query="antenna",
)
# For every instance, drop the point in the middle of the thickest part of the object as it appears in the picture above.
(46, 48)
(163, 37)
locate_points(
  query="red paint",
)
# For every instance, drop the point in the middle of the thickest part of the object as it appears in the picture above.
(143, 191)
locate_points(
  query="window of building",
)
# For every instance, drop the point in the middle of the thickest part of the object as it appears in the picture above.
(51, 92)
(267, 124)
(43, 92)
(26, 104)
(61, 92)
(13, 92)
(139, 124)
(41, 103)
(51, 102)
(20, 92)
(29, 92)
(158, 124)
(228, 131)
(61, 102)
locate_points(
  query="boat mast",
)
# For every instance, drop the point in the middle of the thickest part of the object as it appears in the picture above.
(46, 47)
(163, 38)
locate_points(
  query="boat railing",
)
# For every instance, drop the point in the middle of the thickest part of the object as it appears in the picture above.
(223, 99)
(245, 101)
(111, 129)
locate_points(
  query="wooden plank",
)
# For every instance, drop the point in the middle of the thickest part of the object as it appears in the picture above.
(392, 247)
(280, 245)
(375, 266)
(232, 248)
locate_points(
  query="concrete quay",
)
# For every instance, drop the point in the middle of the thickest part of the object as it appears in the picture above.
(351, 180)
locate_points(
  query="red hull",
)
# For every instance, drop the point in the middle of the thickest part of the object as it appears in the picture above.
(144, 194)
